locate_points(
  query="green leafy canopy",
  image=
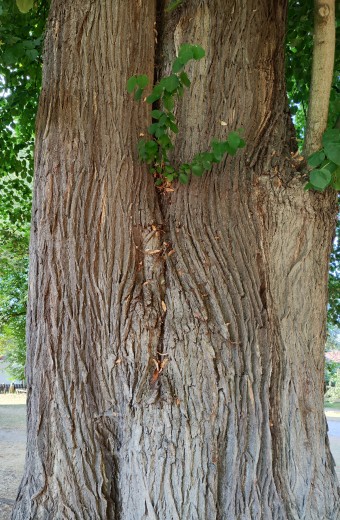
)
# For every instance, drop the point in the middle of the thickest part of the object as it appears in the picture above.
(21, 37)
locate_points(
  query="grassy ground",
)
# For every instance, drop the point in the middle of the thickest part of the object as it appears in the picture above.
(330, 405)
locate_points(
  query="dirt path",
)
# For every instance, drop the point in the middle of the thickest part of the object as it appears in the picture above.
(12, 449)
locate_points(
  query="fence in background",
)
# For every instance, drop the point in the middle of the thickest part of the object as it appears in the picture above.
(12, 388)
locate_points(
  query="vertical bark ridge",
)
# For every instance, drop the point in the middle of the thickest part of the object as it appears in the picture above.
(89, 314)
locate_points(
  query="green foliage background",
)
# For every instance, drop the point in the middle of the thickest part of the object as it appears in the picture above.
(21, 38)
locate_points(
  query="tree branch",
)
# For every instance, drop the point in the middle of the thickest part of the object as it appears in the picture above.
(322, 74)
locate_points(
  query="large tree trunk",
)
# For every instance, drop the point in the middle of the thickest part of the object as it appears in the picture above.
(233, 428)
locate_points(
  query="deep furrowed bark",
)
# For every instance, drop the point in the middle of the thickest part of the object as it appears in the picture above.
(233, 427)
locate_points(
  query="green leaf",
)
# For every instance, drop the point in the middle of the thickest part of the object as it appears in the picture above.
(156, 93)
(183, 178)
(219, 149)
(165, 141)
(184, 79)
(173, 127)
(32, 54)
(147, 150)
(332, 150)
(208, 156)
(24, 5)
(156, 114)
(29, 44)
(8, 57)
(142, 81)
(197, 169)
(230, 150)
(234, 140)
(159, 182)
(198, 52)
(185, 53)
(316, 159)
(164, 119)
(151, 147)
(160, 131)
(153, 128)
(328, 165)
(169, 102)
(131, 84)
(138, 94)
(177, 65)
(332, 135)
(320, 178)
(152, 98)
(170, 83)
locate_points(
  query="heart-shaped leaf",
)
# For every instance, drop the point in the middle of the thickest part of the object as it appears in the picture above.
(24, 5)
(332, 150)
(320, 178)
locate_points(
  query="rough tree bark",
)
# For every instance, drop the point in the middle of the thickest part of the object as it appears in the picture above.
(233, 428)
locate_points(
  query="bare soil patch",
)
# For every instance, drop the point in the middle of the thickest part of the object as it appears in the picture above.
(12, 449)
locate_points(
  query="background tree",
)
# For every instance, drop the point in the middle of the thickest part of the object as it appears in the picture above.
(20, 82)
(13, 296)
(233, 427)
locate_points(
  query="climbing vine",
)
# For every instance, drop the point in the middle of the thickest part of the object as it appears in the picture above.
(155, 151)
